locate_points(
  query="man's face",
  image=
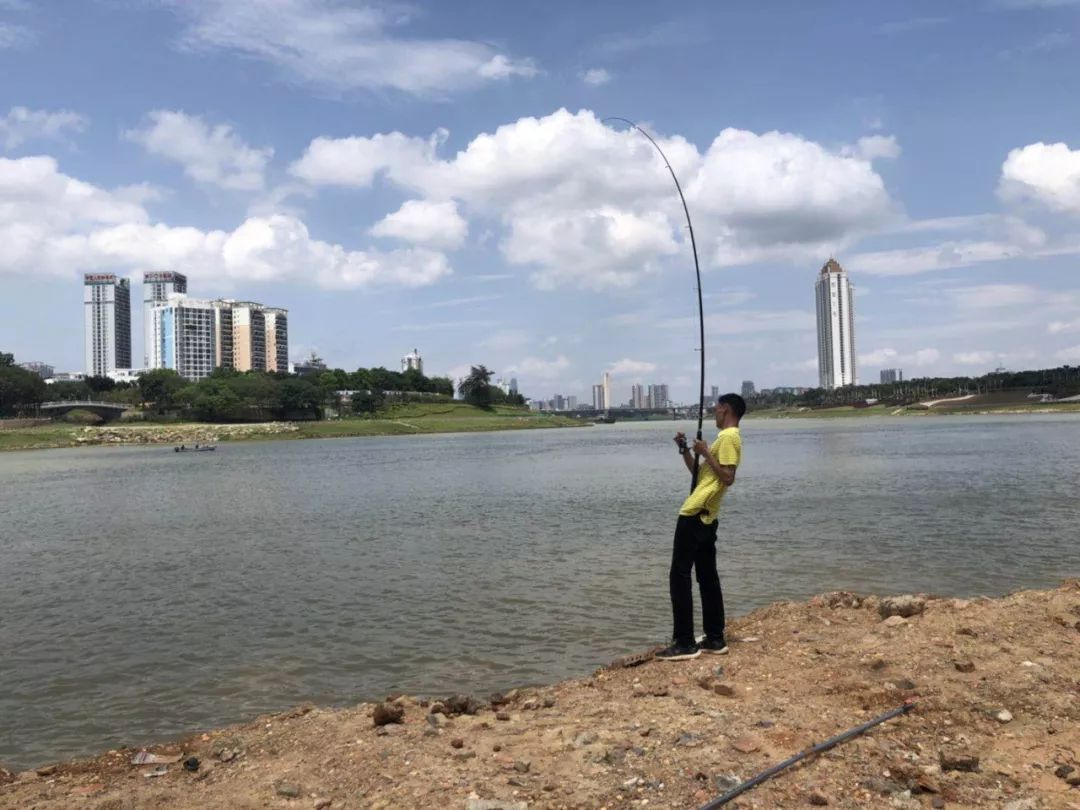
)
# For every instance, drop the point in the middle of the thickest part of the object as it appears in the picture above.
(721, 408)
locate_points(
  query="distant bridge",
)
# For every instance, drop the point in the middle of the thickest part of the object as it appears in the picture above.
(106, 410)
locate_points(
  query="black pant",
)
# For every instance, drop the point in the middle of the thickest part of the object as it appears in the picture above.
(695, 547)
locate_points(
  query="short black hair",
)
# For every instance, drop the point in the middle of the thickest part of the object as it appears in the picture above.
(737, 404)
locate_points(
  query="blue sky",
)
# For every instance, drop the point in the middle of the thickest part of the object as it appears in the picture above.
(439, 176)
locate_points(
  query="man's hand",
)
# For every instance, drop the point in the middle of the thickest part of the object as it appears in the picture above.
(701, 448)
(680, 440)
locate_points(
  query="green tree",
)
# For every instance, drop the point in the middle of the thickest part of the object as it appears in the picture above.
(159, 387)
(476, 388)
(367, 401)
(99, 384)
(20, 390)
(298, 395)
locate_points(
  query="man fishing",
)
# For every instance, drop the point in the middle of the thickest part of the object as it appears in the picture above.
(695, 535)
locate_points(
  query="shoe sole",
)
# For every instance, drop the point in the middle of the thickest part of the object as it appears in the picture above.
(721, 651)
(685, 657)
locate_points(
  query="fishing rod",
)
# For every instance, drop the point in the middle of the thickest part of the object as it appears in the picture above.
(697, 272)
(817, 749)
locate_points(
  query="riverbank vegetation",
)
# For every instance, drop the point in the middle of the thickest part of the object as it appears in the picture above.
(397, 419)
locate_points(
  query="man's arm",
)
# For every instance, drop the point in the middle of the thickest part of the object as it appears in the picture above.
(724, 472)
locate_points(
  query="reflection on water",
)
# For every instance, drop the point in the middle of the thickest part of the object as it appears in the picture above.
(145, 593)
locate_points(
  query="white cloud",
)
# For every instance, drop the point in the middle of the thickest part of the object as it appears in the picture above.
(355, 162)
(874, 147)
(1063, 327)
(986, 296)
(21, 125)
(15, 36)
(210, 155)
(55, 224)
(423, 222)
(540, 368)
(632, 368)
(594, 77)
(1046, 173)
(974, 358)
(587, 205)
(342, 46)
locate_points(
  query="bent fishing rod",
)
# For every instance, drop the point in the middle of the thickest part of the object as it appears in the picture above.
(697, 272)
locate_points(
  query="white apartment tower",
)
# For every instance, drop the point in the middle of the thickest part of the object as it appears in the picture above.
(276, 322)
(607, 389)
(412, 362)
(186, 333)
(157, 287)
(835, 327)
(107, 312)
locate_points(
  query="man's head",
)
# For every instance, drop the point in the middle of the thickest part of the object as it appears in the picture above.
(729, 410)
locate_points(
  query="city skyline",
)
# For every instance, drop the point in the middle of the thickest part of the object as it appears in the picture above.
(482, 209)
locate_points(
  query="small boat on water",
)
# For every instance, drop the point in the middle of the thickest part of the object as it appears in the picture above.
(605, 420)
(206, 448)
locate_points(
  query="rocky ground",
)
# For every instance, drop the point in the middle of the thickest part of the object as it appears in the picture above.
(996, 724)
(185, 434)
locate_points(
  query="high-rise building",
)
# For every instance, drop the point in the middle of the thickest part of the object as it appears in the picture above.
(606, 383)
(637, 396)
(513, 385)
(835, 327)
(714, 395)
(185, 331)
(571, 403)
(277, 339)
(598, 398)
(248, 336)
(747, 390)
(107, 314)
(157, 287)
(657, 396)
(559, 402)
(413, 362)
(890, 376)
(224, 356)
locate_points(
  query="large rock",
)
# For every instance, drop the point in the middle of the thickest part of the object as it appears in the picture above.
(905, 605)
(956, 759)
(386, 713)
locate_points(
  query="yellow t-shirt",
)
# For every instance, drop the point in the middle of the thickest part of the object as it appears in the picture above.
(706, 497)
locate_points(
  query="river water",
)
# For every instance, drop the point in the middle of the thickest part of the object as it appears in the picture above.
(146, 594)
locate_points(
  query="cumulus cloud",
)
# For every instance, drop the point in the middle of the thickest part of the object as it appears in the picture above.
(632, 368)
(540, 368)
(424, 222)
(21, 125)
(341, 46)
(212, 155)
(874, 147)
(594, 77)
(974, 358)
(52, 223)
(588, 205)
(1046, 173)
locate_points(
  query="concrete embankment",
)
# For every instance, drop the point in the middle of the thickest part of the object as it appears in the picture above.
(997, 724)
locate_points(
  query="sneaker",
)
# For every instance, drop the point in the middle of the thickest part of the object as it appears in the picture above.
(711, 645)
(679, 652)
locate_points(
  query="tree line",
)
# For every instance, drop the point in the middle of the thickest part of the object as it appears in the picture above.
(232, 396)
(1063, 381)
